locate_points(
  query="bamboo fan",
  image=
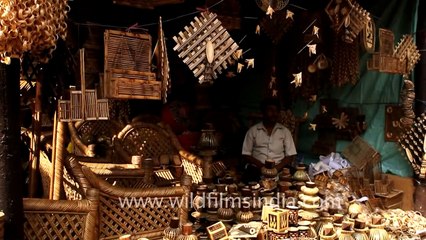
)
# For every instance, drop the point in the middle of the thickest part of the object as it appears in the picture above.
(83, 103)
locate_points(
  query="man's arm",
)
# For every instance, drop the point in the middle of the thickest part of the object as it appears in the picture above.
(285, 162)
(252, 160)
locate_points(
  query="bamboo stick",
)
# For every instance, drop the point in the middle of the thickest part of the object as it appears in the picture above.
(35, 140)
(52, 176)
(59, 160)
(83, 84)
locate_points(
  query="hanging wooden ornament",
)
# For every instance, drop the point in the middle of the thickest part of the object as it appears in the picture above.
(322, 62)
(127, 71)
(257, 31)
(250, 63)
(355, 22)
(368, 36)
(240, 67)
(289, 14)
(297, 81)
(312, 49)
(315, 31)
(407, 53)
(413, 144)
(407, 97)
(399, 60)
(191, 45)
(270, 11)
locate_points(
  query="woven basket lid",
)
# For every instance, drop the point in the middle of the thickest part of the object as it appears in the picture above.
(275, 4)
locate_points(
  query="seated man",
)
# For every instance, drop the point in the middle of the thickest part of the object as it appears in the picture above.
(267, 140)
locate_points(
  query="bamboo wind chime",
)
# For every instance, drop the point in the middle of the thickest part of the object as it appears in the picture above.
(83, 103)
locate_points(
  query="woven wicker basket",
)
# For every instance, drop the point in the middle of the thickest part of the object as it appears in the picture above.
(1, 225)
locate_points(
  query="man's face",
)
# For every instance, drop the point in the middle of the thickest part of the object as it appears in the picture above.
(271, 113)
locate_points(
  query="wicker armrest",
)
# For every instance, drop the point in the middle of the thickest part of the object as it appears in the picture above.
(115, 191)
(76, 182)
(130, 211)
(86, 159)
(111, 166)
(50, 219)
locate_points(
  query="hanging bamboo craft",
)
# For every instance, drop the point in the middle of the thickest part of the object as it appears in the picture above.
(398, 60)
(407, 53)
(83, 104)
(355, 22)
(413, 143)
(163, 69)
(192, 46)
(127, 72)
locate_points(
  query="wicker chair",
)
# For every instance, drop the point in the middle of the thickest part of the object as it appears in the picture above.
(100, 132)
(120, 175)
(120, 209)
(61, 219)
(155, 141)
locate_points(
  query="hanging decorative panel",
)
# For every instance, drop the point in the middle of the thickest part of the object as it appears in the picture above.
(127, 72)
(193, 47)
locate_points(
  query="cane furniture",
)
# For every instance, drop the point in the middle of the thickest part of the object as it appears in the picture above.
(128, 210)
